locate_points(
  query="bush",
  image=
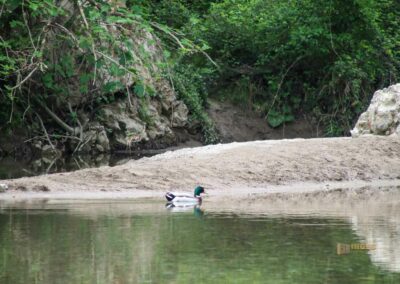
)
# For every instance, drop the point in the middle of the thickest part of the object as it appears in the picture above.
(324, 58)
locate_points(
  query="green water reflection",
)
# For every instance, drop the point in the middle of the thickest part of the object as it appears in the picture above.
(60, 245)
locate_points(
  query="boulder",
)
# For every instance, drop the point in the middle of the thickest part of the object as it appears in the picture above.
(50, 152)
(95, 139)
(179, 115)
(3, 187)
(383, 114)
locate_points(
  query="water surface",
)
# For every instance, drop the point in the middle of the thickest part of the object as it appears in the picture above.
(143, 242)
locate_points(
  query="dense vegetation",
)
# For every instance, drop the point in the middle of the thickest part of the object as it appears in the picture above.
(282, 58)
(62, 60)
(323, 58)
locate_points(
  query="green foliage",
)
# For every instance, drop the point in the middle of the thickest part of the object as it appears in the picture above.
(143, 112)
(56, 55)
(321, 57)
(189, 83)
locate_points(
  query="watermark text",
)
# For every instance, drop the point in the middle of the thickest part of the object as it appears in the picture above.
(346, 248)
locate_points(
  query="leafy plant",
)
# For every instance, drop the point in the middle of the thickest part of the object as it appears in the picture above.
(59, 59)
(304, 54)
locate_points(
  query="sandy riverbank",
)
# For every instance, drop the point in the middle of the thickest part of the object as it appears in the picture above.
(235, 169)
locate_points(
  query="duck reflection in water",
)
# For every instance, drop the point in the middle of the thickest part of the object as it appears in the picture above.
(197, 210)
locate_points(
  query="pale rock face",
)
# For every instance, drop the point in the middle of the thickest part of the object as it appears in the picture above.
(3, 187)
(180, 115)
(383, 114)
(95, 139)
(50, 152)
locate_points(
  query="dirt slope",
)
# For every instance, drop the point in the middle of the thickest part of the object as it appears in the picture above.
(238, 124)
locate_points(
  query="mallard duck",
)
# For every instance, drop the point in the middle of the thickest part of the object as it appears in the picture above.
(181, 197)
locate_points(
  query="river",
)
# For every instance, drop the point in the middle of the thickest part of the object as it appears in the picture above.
(142, 241)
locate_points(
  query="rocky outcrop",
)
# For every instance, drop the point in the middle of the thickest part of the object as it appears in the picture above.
(110, 90)
(142, 121)
(382, 116)
(145, 108)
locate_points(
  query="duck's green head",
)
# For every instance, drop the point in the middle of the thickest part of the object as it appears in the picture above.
(198, 190)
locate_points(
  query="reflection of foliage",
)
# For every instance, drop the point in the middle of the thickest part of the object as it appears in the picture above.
(158, 248)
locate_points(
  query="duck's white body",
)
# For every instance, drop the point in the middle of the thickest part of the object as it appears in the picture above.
(181, 194)
(181, 207)
(182, 198)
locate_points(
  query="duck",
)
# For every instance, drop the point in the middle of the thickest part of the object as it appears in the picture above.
(185, 198)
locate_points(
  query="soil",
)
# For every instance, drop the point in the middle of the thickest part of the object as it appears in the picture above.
(235, 170)
(239, 123)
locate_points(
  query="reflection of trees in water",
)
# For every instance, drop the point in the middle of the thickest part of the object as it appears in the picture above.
(11, 168)
(126, 242)
(382, 231)
(44, 247)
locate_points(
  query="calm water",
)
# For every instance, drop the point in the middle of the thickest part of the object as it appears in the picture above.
(143, 242)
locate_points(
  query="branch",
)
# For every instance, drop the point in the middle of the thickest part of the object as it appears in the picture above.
(60, 122)
(281, 82)
(90, 35)
(181, 45)
(168, 33)
(116, 62)
(25, 79)
(68, 32)
(77, 119)
(45, 131)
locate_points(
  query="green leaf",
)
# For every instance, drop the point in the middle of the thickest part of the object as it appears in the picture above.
(112, 87)
(15, 23)
(275, 118)
(116, 71)
(139, 90)
(48, 80)
(84, 78)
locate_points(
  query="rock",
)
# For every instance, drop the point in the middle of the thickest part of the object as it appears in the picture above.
(3, 187)
(100, 148)
(21, 188)
(180, 115)
(40, 188)
(398, 130)
(102, 143)
(383, 114)
(49, 152)
(131, 125)
(126, 128)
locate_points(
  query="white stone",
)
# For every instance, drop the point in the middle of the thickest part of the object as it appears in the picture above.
(383, 114)
(3, 187)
